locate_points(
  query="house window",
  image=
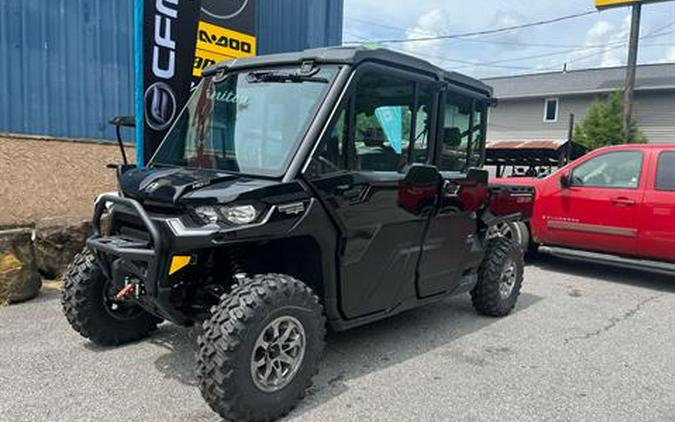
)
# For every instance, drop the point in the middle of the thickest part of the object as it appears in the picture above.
(551, 110)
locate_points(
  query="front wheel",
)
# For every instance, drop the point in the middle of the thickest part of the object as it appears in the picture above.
(260, 348)
(87, 301)
(500, 278)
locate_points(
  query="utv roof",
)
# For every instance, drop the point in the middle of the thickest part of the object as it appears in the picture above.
(353, 56)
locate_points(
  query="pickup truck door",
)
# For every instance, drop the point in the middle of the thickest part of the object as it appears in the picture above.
(599, 208)
(657, 230)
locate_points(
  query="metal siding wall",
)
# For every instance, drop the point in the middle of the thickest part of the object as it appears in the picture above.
(66, 66)
(292, 25)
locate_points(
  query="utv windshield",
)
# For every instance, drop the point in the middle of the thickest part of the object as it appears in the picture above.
(248, 122)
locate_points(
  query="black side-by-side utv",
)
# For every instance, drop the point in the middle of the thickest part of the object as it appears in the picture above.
(330, 187)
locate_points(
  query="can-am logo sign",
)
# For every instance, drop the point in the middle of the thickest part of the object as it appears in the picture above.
(223, 41)
(223, 9)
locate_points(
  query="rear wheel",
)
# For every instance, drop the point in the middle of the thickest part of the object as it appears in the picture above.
(518, 232)
(500, 278)
(87, 301)
(260, 348)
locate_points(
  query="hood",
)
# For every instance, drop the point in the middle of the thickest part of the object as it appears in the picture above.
(167, 184)
(194, 187)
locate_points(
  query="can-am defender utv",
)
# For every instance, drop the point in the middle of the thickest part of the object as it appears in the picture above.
(328, 187)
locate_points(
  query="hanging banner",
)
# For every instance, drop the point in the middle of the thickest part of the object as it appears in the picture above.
(226, 31)
(169, 37)
(175, 41)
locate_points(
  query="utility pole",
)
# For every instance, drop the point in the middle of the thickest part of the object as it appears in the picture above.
(570, 140)
(629, 90)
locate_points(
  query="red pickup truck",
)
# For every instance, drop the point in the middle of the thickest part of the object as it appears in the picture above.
(614, 205)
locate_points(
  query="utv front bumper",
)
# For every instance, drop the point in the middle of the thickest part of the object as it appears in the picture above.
(146, 258)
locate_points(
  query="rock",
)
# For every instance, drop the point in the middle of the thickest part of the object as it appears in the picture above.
(19, 278)
(57, 241)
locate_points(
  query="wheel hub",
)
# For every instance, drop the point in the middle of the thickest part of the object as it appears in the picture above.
(278, 354)
(507, 281)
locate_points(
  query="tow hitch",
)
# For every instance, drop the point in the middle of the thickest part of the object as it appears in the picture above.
(131, 286)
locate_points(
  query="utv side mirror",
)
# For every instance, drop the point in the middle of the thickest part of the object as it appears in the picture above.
(566, 181)
(420, 175)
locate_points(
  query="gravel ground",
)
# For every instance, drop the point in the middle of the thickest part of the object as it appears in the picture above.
(586, 343)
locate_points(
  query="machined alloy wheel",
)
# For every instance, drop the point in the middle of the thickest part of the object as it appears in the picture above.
(517, 232)
(260, 348)
(500, 278)
(278, 354)
(508, 279)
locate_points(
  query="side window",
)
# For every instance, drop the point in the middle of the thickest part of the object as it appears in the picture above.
(620, 170)
(665, 171)
(551, 110)
(456, 133)
(479, 132)
(331, 156)
(383, 120)
(420, 147)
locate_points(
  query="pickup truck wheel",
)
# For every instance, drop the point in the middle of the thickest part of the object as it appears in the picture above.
(260, 348)
(500, 278)
(518, 232)
(88, 306)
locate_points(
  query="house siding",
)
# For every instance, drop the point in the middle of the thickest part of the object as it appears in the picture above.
(524, 118)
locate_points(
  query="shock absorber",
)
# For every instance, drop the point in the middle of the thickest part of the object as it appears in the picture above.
(235, 259)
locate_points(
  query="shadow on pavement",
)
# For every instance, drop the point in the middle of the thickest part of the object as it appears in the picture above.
(637, 278)
(354, 353)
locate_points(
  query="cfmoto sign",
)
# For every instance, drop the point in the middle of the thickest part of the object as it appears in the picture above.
(160, 106)
(169, 43)
(160, 99)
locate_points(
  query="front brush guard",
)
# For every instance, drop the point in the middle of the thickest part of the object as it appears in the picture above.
(134, 251)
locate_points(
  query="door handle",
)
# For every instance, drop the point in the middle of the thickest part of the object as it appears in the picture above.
(348, 191)
(450, 188)
(623, 201)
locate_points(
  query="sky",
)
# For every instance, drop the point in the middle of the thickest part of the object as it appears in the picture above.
(597, 40)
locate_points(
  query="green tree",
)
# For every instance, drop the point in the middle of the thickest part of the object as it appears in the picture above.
(603, 125)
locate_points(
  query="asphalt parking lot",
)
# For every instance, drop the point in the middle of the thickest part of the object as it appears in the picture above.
(586, 343)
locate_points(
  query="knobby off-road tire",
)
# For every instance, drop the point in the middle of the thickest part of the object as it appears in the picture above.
(500, 278)
(240, 334)
(84, 303)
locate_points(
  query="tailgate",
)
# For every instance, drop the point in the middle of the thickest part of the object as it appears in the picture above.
(512, 199)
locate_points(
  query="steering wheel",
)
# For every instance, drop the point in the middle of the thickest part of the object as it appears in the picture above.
(325, 161)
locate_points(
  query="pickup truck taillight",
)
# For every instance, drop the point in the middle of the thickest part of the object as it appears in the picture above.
(507, 200)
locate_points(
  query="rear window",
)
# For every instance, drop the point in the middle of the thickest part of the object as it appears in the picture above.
(665, 171)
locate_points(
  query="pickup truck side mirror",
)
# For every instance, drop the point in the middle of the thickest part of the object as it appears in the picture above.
(566, 181)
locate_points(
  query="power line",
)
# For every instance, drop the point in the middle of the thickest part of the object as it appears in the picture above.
(484, 32)
(497, 42)
(466, 62)
(606, 48)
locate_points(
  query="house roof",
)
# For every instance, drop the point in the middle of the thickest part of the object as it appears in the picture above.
(588, 81)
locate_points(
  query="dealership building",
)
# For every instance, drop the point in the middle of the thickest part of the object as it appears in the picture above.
(67, 66)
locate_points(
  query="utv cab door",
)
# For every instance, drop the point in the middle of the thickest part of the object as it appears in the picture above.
(446, 257)
(362, 171)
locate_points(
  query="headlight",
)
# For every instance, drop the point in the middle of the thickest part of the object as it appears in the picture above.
(241, 214)
(236, 214)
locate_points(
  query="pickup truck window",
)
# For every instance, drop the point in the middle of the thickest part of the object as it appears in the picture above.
(665, 171)
(618, 170)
